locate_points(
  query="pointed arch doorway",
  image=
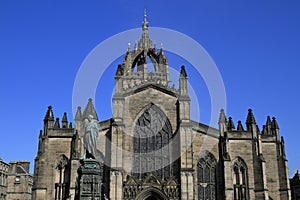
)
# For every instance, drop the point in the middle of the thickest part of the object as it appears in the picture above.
(152, 194)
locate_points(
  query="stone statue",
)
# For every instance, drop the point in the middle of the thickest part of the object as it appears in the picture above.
(90, 139)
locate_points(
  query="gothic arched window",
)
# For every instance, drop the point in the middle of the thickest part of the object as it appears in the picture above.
(240, 180)
(152, 133)
(62, 180)
(206, 170)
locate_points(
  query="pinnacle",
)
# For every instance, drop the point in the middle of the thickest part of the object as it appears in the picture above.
(78, 115)
(250, 117)
(49, 114)
(274, 123)
(183, 72)
(222, 118)
(240, 126)
(230, 125)
(90, 110)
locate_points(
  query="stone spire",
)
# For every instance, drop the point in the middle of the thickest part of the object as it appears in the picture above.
(90, 110)
(145, 42)
(78, 115)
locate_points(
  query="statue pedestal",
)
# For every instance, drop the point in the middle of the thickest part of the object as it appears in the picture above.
(89, 180)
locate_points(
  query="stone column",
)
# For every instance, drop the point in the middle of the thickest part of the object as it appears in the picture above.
(116, 185)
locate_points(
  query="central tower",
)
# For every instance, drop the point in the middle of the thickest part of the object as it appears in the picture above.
(147, 116)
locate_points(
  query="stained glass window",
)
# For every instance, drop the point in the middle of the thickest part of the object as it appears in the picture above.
(206, 170)
(152, 134)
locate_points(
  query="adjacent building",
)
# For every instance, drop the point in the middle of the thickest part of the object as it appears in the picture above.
(295, 186)
(3, 179)
(19, 183)
(153, 150)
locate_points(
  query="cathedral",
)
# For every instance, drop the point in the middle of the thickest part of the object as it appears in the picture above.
(151, 149)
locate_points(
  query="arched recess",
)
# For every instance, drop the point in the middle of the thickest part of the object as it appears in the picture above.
(62, 181)
(140, 59)
(151, 193)
(152, 134)
(240, 179)
(206, 174)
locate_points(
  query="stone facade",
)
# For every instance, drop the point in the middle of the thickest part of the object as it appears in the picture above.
(153, 150)
(19, 181)
(3, 179)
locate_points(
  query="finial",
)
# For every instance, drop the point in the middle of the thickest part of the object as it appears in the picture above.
(145, 14)
(145, 23)
(128, 48)
(135, 47)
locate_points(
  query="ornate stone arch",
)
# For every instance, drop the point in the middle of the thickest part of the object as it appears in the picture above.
(206, 176)
(240, 179)
(151, 193)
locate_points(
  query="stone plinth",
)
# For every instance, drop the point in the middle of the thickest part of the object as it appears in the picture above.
(89, 181)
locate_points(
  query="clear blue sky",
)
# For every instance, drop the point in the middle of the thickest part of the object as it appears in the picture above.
(255, 45)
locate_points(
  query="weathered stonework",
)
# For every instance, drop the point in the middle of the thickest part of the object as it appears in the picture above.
(153, 150)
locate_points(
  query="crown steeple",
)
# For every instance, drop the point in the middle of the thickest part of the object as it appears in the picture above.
(145, 64)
